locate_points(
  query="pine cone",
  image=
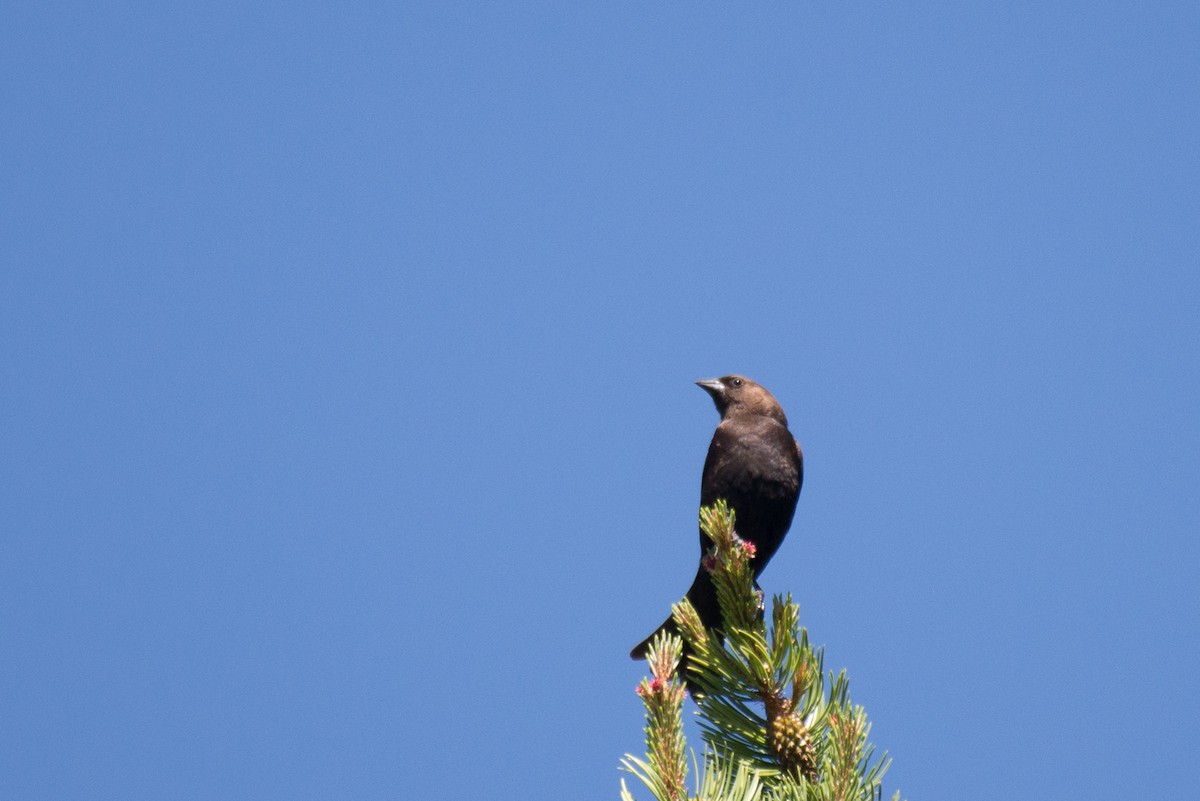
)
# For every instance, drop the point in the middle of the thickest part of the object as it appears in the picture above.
(789, 739)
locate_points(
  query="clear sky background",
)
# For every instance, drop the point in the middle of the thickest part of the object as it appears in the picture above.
(347, 432)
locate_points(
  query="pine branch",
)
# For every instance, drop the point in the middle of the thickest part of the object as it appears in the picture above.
(775, 724)
(664, 770)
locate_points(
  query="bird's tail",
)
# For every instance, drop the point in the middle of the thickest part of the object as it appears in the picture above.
(703, 596)
(639, 650)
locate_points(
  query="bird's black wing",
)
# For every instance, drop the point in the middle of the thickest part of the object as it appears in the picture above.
(755, 465)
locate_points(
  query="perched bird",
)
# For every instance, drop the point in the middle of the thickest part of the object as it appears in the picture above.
(757, 467)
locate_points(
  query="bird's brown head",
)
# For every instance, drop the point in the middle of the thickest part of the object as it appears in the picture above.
(737, 395)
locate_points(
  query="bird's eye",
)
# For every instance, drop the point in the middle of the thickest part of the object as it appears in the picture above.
(737, 382)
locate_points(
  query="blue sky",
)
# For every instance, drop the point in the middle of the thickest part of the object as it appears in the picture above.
(349, 433)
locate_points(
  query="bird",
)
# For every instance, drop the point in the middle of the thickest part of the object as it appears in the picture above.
(757, 466)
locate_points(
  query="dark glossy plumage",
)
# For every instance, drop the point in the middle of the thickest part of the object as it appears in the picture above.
(753, 463)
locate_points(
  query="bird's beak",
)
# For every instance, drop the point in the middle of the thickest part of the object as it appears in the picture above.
(712, 386)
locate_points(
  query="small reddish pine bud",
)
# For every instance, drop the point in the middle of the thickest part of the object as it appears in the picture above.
(709, 563)
(749, 548)
(656, 684)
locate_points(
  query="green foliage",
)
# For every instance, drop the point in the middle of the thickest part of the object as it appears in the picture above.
(776, 726)
(664, 770)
